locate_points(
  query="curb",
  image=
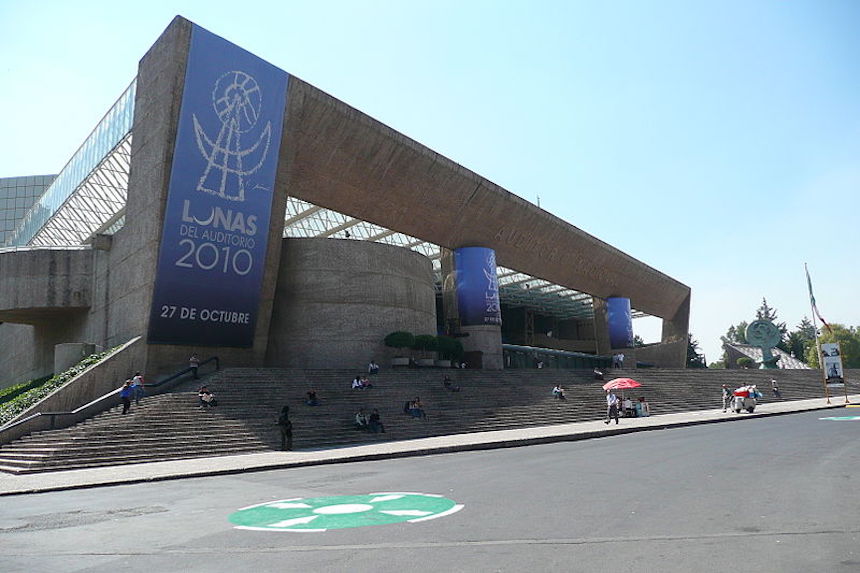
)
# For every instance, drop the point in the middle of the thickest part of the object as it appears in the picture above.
(418, 451)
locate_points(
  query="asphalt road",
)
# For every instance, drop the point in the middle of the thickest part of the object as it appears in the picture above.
(769, 494)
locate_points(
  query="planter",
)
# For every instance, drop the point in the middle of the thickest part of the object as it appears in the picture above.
(425, 362)
(443, 363)
(399, 361)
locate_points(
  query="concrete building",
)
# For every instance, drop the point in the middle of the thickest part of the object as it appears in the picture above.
(225, 207)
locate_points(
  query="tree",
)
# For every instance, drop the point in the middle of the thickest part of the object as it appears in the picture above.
(799, 340)
(849, 345)
(637, 341)
(738, 333)
(694, 358)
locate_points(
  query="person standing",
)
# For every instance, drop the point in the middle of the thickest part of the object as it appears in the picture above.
(727, 397)
(194, 364)
(611, 406)
(137, 388)
(375, 423)
(286, 427)
(125, 395)
(774, 387)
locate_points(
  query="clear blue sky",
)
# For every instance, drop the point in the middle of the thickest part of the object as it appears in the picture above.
(717, 141)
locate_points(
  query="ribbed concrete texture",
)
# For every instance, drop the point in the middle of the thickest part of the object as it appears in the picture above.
(41, 285)
(337, 299)
(487, 340)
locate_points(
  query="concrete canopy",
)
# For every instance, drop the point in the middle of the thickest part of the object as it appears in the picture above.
(340, 158)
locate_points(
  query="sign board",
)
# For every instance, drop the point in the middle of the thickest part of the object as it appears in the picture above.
(477, 286)
(216, 222)
(619, 319)
(832, 356)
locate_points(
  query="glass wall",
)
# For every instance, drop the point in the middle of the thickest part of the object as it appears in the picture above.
(17, 196)
(113, 127)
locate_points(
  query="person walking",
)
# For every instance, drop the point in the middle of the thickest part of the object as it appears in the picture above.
(286, 427)
(125, 395)
(774, 387)
(727, 397)
(611, 406)
(137, 388)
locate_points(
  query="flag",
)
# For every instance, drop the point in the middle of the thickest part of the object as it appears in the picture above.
(812, 301)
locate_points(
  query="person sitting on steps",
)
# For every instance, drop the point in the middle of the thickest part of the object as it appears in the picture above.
(361, 421)
(416, 409)
(312, 398)
(558, 392)
(207, 398)
(449, 385)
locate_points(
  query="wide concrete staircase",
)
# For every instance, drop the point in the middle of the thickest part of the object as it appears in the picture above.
(173, 426)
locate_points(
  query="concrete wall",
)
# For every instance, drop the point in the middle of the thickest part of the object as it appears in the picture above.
(94, 382)
(337, 299)
(68, 354)
(664, 354)
(40, 285)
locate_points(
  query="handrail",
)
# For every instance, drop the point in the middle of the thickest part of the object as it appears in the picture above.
(179, 374)
(97, 406)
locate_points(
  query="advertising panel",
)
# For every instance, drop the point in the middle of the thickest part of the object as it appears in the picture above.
(832, 357)
(216, 222)
(477, 286)
(620, 322)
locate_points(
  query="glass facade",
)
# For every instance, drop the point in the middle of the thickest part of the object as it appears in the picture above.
(17, 196)
(107, 135)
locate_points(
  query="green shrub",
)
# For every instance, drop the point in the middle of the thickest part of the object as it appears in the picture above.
(9, 393)
(745, 362)
(449, 348)
(425, 342)
(11, 409)
(400, 339)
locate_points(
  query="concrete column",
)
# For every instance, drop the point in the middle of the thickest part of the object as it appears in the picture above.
(601, 330)
(675, 330)
(477, 299)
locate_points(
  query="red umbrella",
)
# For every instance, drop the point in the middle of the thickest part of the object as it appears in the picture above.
(621, 384)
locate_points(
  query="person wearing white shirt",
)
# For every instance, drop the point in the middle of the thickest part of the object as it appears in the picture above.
(611, 406)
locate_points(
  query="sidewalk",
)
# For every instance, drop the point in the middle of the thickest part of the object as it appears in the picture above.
(135, 473)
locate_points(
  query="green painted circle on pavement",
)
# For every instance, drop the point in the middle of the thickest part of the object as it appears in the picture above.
(315, 514)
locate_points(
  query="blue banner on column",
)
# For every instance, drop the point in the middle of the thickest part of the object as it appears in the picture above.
(216, 223)
(477, 286)
(620, 322)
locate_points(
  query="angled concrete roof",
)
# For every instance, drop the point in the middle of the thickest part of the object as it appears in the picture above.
(338, 157)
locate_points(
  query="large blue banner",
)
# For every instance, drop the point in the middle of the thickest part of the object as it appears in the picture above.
(477, 286)
(620, 322)
(216, 223)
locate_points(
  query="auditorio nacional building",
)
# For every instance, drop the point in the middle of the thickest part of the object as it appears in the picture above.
(225, 207)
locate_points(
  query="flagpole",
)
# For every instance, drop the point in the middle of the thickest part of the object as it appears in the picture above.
(815, 329)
